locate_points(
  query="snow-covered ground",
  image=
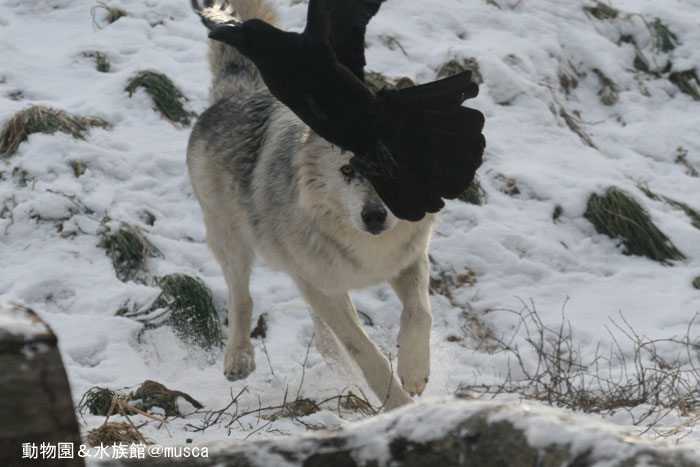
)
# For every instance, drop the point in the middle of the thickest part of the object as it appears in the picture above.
(515, 250)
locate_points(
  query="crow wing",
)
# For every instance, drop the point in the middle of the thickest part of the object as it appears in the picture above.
(437, 144)
(348, 23)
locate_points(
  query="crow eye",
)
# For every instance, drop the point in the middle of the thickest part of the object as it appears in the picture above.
(347, 170)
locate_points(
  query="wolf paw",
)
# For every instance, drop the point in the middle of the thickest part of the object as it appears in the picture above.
(239, 362)
(413, 369)
(414, 384)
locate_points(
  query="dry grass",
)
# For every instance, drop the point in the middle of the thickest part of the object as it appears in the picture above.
(113, 14)
(644, 383)
(166, 96)
(375, 82)
(152, 394)
(40, 119)
(116, 433)
(106, 402)
(232, 414)
(478, 335)
(444, 282)
(392, 43)
(299, 407)
(567, 83)
(507, 185)
(619, 216)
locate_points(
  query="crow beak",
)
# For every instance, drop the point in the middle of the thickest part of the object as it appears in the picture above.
(231, 34)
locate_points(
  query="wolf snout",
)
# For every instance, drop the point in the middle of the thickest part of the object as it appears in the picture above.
(374, 217)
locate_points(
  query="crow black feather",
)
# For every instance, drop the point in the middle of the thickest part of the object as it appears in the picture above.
(416, 145)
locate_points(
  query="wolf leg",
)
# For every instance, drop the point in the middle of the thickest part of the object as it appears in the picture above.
(338, 313)
(236, 257)
(325, 341)
(411, 286)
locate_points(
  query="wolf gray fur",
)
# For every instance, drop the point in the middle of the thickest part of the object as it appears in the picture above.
(268, 184)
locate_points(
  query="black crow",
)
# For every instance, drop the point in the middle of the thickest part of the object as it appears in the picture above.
(415, 145)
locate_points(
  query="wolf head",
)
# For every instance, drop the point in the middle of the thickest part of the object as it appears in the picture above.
(332, 188)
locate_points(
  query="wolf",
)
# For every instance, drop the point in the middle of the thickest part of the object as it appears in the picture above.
(269, 185)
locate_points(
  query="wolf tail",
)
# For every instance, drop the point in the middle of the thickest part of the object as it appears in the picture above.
(232, 73)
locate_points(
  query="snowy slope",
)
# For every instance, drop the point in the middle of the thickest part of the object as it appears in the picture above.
(517, 253)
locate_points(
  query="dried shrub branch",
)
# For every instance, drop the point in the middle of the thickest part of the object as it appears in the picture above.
(643, 382)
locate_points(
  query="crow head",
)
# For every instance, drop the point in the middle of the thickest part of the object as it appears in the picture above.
(248, 37)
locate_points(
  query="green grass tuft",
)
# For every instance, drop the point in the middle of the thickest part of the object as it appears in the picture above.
(167, 98)
(453, 67)
(684, 81)
(78, 168)
(101, 61)
(693, 214)
(39, 119)
(573, 123)
(475, 194)
(98, 401)
(696, 282)
(22, 177)
(184, 303)
(619, 216)
(602, 11)
(682, 159)
(666, 40)
(557, 213)
(608, 89)
(128, 249)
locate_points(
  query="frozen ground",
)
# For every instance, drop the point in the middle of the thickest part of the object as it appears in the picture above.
(491, 258)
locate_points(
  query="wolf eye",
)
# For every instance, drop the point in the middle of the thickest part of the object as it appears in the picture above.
(347, 170)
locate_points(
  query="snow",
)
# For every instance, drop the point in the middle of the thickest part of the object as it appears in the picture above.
(516, 251)
(374, 441)
(20, 323)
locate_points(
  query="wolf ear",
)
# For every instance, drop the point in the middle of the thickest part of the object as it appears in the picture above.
(229, 34)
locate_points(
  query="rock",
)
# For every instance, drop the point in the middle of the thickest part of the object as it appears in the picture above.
(35, 404)
(449, 432)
